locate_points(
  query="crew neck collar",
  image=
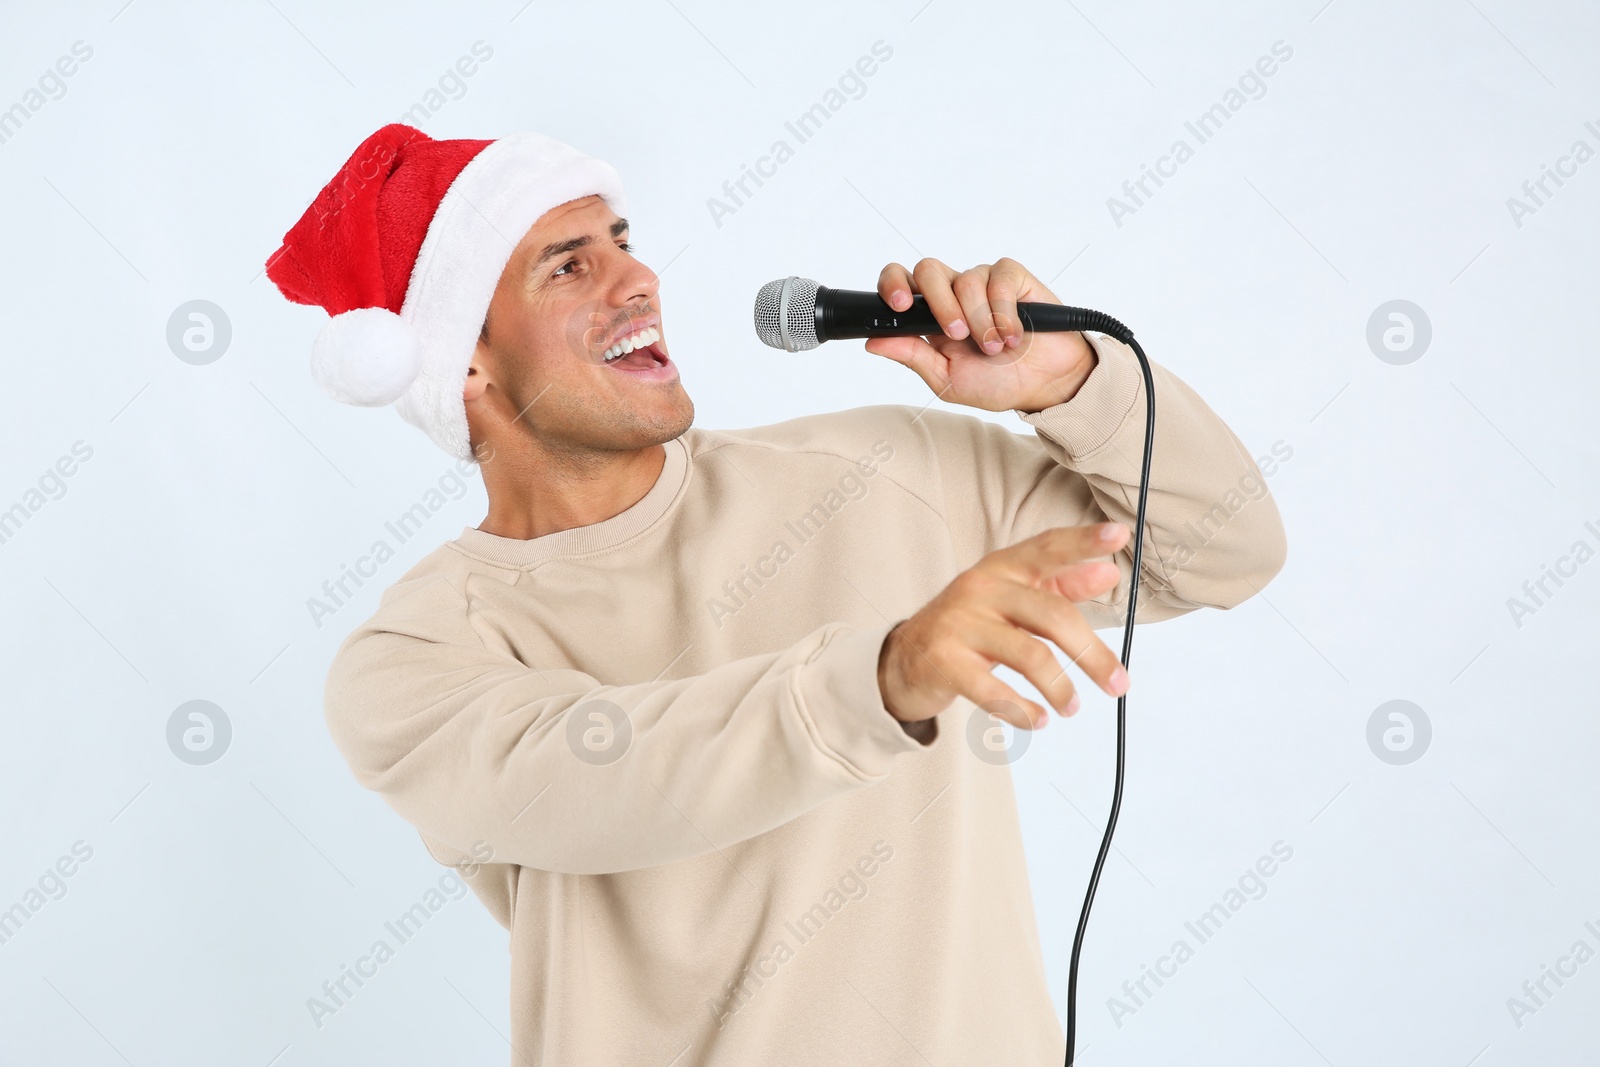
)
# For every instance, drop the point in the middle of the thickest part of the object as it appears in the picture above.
(581, 540)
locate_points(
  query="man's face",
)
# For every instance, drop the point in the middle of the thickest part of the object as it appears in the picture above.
(559, 306)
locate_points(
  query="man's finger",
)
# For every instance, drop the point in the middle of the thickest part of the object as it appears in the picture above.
(933, 282)
(1062, 624)
(1048, 553)
(972, 289)
(914, 352)
(973, 680)
(1029, 657)
(1005, 282)
(1078, 582)
(896, 287)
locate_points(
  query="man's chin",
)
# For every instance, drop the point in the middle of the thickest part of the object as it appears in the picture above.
(649, 428)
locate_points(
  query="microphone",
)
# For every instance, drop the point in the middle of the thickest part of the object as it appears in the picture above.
(796, 314)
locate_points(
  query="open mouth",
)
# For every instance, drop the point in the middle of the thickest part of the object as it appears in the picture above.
(640, 357)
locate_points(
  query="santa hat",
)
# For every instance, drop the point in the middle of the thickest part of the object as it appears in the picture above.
(404, 248)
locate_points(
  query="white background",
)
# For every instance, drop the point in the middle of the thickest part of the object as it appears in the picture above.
(1419, 498)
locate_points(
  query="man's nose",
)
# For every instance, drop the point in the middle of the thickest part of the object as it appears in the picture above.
(634, 280)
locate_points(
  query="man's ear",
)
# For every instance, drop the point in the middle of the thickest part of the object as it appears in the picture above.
(477, 380)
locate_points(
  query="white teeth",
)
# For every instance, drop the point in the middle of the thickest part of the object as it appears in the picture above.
(647, 336)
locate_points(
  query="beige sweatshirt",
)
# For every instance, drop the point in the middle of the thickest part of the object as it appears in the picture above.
(656, 748)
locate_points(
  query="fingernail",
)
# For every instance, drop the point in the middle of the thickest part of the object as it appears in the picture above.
(992, 347)
(1074, 704)
(900, 299)
(1013, 340)
(1118, 682)
(1110, 530)
(958, 329)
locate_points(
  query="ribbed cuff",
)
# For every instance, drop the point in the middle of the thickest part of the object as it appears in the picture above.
(839, 693)
(1101, 405)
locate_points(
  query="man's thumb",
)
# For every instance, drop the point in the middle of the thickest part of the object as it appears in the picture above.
(894, 348)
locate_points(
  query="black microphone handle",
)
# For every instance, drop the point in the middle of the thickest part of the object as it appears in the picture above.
(849, 313)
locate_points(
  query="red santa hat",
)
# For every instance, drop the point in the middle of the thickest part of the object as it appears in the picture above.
(404, 248)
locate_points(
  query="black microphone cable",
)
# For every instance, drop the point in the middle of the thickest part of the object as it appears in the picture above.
(1100, 322)
(796, 314)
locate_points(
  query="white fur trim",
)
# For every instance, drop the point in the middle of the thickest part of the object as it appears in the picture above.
(487, 210)
(366, 356)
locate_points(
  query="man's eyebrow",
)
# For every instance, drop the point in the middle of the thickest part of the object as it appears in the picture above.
(618, 228)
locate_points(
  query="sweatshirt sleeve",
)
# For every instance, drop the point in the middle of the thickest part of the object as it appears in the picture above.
(1213, 535)
(474, 748)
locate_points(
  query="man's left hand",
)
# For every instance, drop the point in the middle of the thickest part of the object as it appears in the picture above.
(1011, 368)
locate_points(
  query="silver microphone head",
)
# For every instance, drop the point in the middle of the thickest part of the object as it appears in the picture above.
(786, 314)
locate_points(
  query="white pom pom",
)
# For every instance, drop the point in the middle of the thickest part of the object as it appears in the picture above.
(367, 356)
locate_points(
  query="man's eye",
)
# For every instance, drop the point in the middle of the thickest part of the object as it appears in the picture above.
(625, 246)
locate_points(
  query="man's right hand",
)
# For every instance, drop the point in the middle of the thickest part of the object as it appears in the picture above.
(990, 613)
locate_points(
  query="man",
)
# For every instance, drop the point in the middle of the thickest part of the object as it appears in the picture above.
(708, 718)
